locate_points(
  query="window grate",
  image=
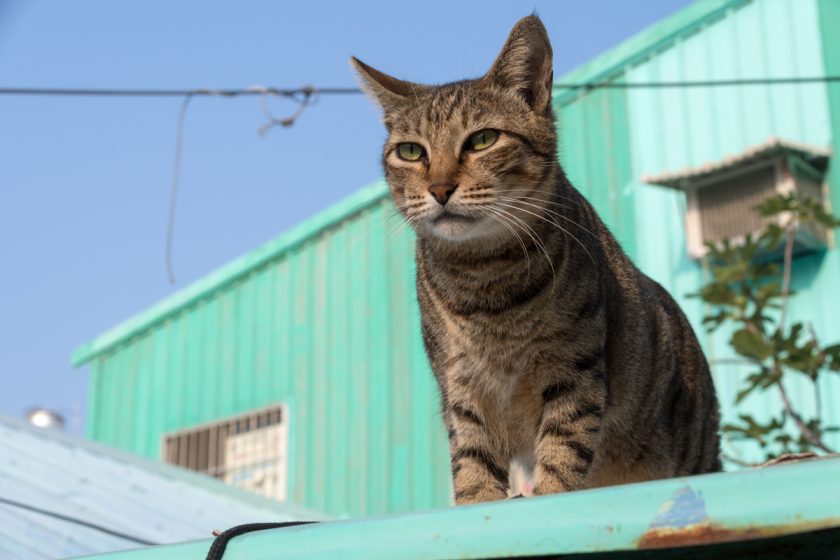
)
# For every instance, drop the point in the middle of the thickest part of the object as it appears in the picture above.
(248, 451)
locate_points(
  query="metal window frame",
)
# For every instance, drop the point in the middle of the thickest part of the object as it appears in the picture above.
(213, 447)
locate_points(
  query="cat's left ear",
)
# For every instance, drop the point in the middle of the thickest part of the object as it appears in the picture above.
(389, 92)
(526, 64)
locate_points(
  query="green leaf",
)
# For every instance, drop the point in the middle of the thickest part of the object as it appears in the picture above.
(759, 380)
(832, 357)
(718, 294)
(768, 291)
(751, 344)
(750, 429)
(776, 205)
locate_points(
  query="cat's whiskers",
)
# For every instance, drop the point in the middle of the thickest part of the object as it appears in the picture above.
(555, 224)
(553, 194)
(392, 237)
(488, 210)
(559, 215)
(392, 234)
(536, 239)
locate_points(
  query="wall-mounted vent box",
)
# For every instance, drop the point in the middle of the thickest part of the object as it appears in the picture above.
(721, 196)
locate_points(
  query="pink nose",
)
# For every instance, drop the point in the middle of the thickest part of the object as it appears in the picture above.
(442, 192)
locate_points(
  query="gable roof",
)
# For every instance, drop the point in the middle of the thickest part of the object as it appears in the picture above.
(773, 147)
(161, 504)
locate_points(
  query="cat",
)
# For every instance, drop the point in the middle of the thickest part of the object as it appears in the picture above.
(550, 348)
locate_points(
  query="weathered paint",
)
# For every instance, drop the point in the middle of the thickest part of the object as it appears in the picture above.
(324, 318)
(747, 505)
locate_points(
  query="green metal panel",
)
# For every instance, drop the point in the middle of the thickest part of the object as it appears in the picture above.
(829, 19)
(594, 151)
(312, 324)
(732, 515)
(677, 128)
(610, 138)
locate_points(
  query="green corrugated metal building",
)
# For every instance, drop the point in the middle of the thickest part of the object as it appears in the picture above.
(324, 319)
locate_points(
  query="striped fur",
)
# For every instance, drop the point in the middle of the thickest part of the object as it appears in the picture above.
(549, 346)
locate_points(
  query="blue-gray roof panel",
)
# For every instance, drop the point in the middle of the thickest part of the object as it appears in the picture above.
(159, 503)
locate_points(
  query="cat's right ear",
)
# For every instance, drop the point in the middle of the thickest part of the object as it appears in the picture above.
(525, 63)
(389, 92)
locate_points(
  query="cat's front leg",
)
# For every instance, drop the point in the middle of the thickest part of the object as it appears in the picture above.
(572, 407)
(480, 462)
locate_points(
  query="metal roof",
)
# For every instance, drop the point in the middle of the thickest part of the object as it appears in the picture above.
(784, 511)
(771, 148)
(53, 471)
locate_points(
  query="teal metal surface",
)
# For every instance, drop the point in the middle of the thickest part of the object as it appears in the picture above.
(660, 517)
(678, 128)
(230, 273)
(52, 471)
(610, 138)
(325, 320)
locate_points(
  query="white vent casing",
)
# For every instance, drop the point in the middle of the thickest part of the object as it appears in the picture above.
(721, 196)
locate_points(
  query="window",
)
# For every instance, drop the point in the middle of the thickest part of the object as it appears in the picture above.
(249, 451)
(721, 195)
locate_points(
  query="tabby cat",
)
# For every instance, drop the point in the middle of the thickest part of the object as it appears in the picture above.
(551, 349)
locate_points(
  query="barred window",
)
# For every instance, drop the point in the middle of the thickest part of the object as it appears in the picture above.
(249, 451)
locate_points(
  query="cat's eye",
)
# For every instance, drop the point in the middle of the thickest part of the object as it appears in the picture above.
(482, 139)
(410, 151)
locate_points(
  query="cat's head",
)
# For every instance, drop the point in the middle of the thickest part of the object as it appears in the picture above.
(458, 154)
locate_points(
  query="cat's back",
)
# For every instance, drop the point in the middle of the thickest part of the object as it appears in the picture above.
(663, 418)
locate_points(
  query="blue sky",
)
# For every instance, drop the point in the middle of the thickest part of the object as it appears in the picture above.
(84, 182)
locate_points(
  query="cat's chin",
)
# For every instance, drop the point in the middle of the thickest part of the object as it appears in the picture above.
(457, 228)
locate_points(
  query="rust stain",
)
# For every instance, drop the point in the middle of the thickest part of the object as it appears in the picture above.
(711, 533)
(701, 533)
(683, 521)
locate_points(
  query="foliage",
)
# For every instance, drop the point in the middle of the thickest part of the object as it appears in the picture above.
(749, 292)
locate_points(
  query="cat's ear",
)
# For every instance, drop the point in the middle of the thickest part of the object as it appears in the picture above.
(525, 63)
(389, 92)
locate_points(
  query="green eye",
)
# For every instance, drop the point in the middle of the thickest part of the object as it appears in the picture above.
(410, 151)
(483, 139)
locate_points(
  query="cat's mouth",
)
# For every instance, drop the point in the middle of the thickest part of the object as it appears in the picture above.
(454, 226)
(449, 216)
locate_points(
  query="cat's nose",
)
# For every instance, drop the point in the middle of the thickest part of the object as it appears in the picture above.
(442, 192)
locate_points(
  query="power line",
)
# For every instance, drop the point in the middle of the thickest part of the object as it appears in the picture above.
(210, 92)
(77, 521)
(292, 92)
(304, 96)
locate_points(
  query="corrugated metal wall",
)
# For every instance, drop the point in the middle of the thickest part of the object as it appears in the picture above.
(329, 324)
(671, 129)
(329, 328)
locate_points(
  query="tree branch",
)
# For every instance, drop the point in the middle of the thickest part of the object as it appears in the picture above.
(788, 266)
(803, 427)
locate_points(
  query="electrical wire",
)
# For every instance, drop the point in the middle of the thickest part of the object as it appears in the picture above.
(290, 92)
(305, 95)
(173, 192)
(105, 92)
(76, 521)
